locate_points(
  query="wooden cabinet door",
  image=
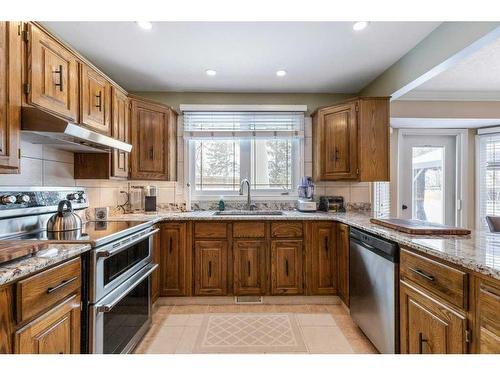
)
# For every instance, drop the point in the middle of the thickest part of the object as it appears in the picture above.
(286, 267)
(323, 259)
(210, 267)
(175, 260)
(149, 136)
(488, 321)
(343, 261)
(53, 75)
(10, 96)
(249, 267)
(336, 139)
(429, 327)
(95, 100)
(55, 332)
(120, 130)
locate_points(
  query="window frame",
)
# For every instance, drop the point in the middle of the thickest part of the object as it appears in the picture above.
(245, 171)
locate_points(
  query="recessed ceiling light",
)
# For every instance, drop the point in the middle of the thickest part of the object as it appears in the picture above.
(210, 72)
(281, 73)
(146, 25)
(360, 25)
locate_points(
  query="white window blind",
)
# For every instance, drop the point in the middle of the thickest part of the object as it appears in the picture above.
(382, 198)
(243, 124)
(228, 146)
(489, 177)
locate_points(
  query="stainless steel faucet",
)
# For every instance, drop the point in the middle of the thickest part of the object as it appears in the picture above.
(250, 205)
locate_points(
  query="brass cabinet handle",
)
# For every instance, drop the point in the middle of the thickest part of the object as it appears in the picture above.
(61, 285)
(421, 341)
(423, 274)
(59, 72)
(210, 269)
(99, 101)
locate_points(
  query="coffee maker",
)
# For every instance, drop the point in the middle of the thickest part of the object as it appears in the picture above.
(150, 194)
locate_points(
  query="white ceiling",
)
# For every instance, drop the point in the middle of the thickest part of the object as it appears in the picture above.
(477, 77)
(173, 56)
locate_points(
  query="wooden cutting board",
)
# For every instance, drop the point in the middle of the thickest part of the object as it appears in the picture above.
(420, 227)
(10, 250)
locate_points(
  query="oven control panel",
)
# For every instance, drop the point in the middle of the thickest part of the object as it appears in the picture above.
(32, 198)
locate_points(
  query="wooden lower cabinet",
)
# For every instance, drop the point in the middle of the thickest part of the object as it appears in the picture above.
(286, 267)
(175, 260)
(250, 267)
(210, 267)
(342, 239)
(487, 335)
(323, 259)
(428, 326)
(55, 332)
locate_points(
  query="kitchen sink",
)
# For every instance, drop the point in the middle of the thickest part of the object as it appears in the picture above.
(248, 213)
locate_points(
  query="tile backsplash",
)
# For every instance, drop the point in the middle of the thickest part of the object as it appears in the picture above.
(46, 166)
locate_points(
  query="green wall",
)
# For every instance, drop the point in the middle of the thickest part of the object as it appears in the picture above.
(174, 99)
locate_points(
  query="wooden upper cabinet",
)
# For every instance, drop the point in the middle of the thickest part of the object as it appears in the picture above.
(10, 96)
(210, 268)
(429, 327)
(175, 260)
(120, 130)
(323, 259)
(55, 332)
(343, 261)
(249, 267)
(95, 100)
(336, 144)
(351, 141)
(153, 136)
(286, 267)
(52, 75)
(487, 336)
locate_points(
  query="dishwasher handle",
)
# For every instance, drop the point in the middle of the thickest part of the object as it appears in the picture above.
(392, 257)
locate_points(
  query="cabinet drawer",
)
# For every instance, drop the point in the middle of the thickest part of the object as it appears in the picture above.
(249, 230)
(39, 292)
(210, 230)
(446, 282)
(284, 230)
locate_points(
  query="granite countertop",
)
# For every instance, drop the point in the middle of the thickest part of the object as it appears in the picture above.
(54, 253)
(479, 251)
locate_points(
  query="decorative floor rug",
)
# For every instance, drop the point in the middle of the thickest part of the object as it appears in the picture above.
(249, 333)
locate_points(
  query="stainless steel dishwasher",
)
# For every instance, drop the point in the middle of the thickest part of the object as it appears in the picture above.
(374, 291)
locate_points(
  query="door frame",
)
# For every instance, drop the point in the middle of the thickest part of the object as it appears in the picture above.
(462, 161)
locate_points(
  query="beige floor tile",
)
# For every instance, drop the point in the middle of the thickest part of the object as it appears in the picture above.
(315, 320)
(323, 340)
(166, 341)
(317, 309)
(177, 320)
(224, 309)
(187, 341)
(348, 327)
(299, 309)
(189, 309)
(362, 346)
(337, 310)
(256, 308)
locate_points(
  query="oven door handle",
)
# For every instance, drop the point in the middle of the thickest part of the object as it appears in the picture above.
(124, 244)
(107, 307)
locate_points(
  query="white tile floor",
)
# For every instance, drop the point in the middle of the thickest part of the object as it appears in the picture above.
(323, 328)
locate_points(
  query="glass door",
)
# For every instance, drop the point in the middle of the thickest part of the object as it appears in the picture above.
(427, 178)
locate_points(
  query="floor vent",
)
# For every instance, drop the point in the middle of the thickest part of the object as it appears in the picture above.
(248, 299)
